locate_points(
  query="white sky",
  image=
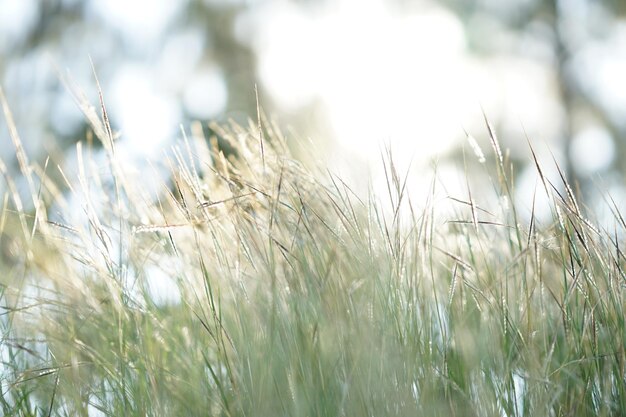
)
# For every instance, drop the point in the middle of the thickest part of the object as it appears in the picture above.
(403, 79)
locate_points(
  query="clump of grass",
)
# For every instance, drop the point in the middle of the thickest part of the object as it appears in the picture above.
(292, 296)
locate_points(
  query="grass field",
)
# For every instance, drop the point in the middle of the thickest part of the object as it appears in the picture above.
(289, 295)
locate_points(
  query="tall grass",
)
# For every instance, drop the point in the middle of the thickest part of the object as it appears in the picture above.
(292, 296)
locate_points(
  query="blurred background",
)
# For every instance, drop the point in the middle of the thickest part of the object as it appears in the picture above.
(350, 76)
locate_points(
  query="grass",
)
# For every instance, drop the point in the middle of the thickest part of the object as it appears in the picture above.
(295, 296)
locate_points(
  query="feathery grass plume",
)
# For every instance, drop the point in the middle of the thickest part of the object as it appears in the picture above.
(287, 294)
(476, 148)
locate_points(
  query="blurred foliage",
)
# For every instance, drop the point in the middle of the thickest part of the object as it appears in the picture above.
(66, 26)
(559, 17)
(56, 19)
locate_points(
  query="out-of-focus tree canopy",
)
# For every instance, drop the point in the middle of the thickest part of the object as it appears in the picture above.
(184, 54)
(583, 43)
(551, 70)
